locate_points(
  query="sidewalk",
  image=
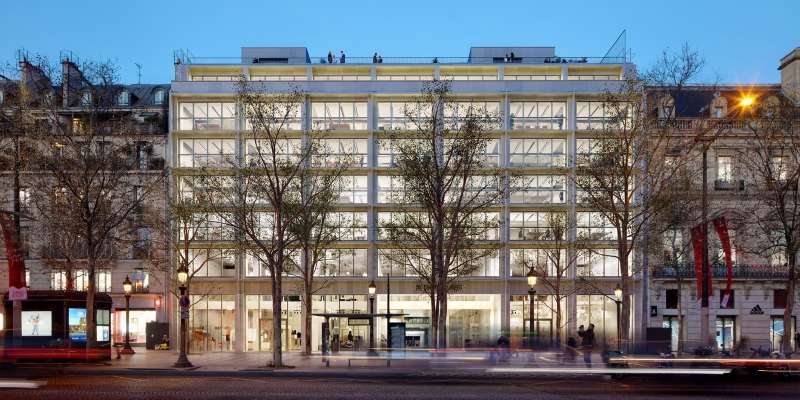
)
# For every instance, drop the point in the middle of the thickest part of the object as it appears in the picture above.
(451, 363)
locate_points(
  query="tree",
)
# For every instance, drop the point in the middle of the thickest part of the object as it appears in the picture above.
(444, 219)
(560, 257)
(259, 198)
(89, 191)
(771, 156)
(316, 229)
(632, 163)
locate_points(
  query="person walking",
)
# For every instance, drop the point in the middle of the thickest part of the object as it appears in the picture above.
(330, 57)
(571, 351)
(342, 57)
(375, 58)
(587, 343)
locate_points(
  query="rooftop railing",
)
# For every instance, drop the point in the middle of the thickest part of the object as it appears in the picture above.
(336, 59)
(740, 271)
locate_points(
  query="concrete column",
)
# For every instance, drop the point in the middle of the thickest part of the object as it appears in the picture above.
(564, 72)
(240, 305)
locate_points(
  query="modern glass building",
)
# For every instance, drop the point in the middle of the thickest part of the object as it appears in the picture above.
(551, 111)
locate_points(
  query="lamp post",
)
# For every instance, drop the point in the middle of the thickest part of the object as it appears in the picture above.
(618, 301)
(532, 295)
(183, 278)
(372, 289)
(127, 287)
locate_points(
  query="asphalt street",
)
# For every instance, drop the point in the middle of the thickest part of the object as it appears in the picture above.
(238, 386)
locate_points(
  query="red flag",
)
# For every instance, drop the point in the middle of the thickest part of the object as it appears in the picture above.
(16, 263)
(697, 245)
(721, 226)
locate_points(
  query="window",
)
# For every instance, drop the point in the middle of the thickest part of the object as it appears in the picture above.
(776, 332)
(673, 246)
(730, 300)
(537, 152)
(255, 268)
(469, 77)
(673, 297)
(779, 170)
(207, 227)
(339, 115)
(124, 98)
(25, 198)
(258, 153)
(538, 115)
(456, 112)
(211, 263)
(143, 150)
(207, 116)
(540, 189)
(391, 189)
(594, 226)
(2, 97)
(350, 225)
(141, 280)
(278, 77)
(276, 117)
(77, 126)
(601, 262)
(86, 98)
(403, 115)
(529, 225)
(484, 226)
(718, 112)
(779, 298)
(592, 77)
(344, 151)
(402, 263)
(343, 262)
(103, 280)
(531, 77)
(522, 260)
(206, 152)
(598, 115)
(353, 189)
(158, 97)
(725, 168)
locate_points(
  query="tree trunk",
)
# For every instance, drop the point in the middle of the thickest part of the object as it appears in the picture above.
(680, 314)
(788, 327)
(434, 339)
(307, 320)
(277, 303)
(442, 298)
(558, 320)
(91, 321)
(625, 317)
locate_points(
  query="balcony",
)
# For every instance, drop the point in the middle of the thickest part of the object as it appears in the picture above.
(729, 184)
(531, 123)
(740, 271)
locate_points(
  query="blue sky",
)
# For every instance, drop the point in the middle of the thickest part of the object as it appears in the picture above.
(742, 41)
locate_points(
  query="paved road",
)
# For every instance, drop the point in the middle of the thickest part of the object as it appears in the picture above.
(68, 387)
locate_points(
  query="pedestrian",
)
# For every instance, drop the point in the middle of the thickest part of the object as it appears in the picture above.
(375, 58)
(380, 59)
(342, 57)
(435, 60)
(587, 343)
(511, 58)
(330, 57)
(571, 351)
(505, 58)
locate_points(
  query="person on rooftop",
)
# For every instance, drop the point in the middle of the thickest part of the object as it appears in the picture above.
(342, 57)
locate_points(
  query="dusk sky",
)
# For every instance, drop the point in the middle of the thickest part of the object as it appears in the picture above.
(742, 41)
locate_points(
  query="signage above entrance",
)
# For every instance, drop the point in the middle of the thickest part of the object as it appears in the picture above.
(756, 310)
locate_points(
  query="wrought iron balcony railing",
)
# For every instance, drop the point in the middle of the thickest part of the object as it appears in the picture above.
(740, 271)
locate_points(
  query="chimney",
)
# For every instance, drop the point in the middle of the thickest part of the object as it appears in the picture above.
(790, 74)
(71, 81)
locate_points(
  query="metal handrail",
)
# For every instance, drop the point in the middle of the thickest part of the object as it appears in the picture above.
(398, 60)
(756, 271)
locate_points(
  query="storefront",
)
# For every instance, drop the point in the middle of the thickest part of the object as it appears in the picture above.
(259, 322)
(601, 311)
(212, 324)
(138, 325)
(545, 329)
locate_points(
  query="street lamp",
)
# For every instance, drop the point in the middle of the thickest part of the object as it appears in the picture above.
(532, 295)
(183, 302)
(372, 289)
(127, 287)
(618, 301)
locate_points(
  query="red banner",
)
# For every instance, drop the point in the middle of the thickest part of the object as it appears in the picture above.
(721, 226)
(16, 264)
(697, 246)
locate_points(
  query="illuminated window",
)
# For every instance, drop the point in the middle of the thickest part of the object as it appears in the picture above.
(537, 152)
(538, 115)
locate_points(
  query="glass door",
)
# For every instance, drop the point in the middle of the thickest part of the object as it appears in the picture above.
(726, 333)
(673, 324)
